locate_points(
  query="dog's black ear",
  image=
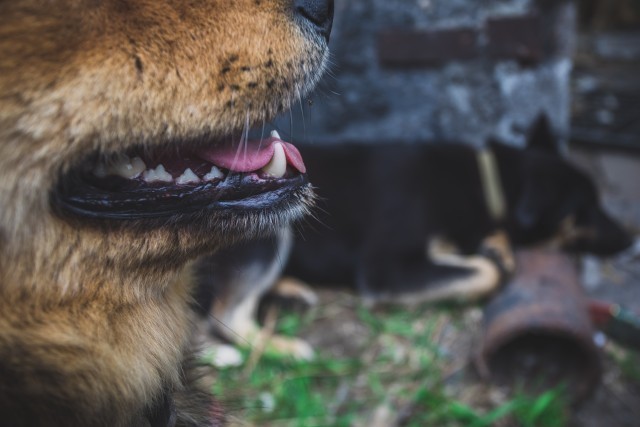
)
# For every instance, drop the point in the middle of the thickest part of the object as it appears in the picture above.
(537, 201)
(529, 206)
(541, 136)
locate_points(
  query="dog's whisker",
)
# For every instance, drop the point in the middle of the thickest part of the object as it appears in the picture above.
(262, 133)
(311, 220)
(246, 135)
(242, 143)
(279, 256)
(304, 125)
(290, 124)
(231, 330)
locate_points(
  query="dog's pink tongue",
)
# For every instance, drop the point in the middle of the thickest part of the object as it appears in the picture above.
(253, 156)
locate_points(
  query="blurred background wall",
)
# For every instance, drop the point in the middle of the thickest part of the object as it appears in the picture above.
(433, 70)
(428, 71)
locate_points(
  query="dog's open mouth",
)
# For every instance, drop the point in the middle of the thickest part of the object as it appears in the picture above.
(257, 174)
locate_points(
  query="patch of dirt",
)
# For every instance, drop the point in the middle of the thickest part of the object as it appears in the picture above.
(339, 332)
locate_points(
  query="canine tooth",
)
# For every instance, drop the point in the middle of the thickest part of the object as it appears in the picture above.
(215, 173)
(277, 166)
(275, 134)
(188, 177)
(157, 174)
(128, 168)
(138, 165)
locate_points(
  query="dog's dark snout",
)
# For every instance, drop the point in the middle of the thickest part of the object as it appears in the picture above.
(317, 12)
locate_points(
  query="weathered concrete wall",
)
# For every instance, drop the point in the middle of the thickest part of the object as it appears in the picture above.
(464, 100)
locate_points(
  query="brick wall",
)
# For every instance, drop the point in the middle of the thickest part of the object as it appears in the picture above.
(425, 70)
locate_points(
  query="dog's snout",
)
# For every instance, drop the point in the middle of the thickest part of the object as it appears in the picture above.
(318, 12)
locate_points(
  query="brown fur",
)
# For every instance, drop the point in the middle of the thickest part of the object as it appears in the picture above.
(93, 320)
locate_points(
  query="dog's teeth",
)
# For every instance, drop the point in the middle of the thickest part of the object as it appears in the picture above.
(128, 168)
(124, 167)
(277, 166)
(275, 134)
(215, 173)
(188, 177)
(157, 174)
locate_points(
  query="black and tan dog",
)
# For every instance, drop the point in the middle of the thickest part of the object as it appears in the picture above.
(384, 207)
(122, 159)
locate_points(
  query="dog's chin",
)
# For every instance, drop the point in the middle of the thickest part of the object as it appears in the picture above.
(223, 189)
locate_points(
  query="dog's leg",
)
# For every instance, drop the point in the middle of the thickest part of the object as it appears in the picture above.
(237, 279)
(498, 247)
(290, 288)
(459, 279)
(442, 275)
(237, 323)
(495, 246)
(439, 246)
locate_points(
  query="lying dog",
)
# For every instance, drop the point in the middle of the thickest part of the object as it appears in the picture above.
(382, 206)
(122, 159)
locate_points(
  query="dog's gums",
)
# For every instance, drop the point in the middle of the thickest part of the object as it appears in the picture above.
(251, 175)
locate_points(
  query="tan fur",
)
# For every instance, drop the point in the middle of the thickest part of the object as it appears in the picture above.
(485, 273)
(96, 319)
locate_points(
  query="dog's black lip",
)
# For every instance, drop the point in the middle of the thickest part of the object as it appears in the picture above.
(239, 191)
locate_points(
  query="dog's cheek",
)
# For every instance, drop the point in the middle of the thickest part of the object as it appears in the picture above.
(264, 80)
(159, 72)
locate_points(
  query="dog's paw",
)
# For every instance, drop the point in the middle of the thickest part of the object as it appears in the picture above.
(221, 356)
(441, 248)
(289, 288)
(295, 348)
(262, 340)
(497, 248)
(290, 295)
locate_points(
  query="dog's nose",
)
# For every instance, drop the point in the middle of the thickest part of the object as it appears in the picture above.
(318, 12)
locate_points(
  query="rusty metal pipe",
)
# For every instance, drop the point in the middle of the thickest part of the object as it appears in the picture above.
(537, 332)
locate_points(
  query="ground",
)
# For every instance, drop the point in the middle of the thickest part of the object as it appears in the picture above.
(617, 280)
(393, 367)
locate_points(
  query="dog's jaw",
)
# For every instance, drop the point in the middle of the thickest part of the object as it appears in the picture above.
(99, 87)
(94, 317)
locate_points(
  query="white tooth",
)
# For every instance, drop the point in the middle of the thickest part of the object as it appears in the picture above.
(149, 175)
(187, 177)
(215, 173)
(277, 166)
(124, 167)
(128, 168)
(157, 174)
(275, 134)
(138, 165)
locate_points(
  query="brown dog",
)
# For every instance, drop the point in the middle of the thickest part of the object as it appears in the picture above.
(119, 127)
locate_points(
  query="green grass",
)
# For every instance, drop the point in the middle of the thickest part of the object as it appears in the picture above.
(629, 363)
(402, 370)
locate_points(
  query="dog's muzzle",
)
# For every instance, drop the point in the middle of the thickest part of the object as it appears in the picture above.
(317, 12)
